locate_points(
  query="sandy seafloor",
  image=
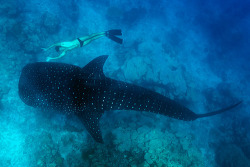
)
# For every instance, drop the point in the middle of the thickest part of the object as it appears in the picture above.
(196, 53)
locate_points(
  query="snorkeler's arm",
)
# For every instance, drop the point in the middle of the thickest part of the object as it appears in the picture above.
(57, 44)
(58, 57)
(61, 55)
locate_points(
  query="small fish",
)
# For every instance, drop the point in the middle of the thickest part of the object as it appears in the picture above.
(86, 92)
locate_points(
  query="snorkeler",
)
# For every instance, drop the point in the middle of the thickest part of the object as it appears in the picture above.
(63, 47)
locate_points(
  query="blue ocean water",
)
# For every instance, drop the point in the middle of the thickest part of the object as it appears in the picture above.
(196, 53)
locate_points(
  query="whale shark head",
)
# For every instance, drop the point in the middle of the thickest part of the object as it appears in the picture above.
(41, 84)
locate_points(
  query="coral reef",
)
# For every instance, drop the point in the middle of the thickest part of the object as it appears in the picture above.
(47, 154)
(144, 147)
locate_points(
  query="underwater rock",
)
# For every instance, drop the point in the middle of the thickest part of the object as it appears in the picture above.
(70, 9)
(136, 68)
(4, 90)
(10, 9)
(114, 13)
(1, 96)
(30, 46)
(22, 36)
(148, 158)
(14, 29)
(67, 139)
(47, 154)
(51, 23)
(231, 155)
(133, 16)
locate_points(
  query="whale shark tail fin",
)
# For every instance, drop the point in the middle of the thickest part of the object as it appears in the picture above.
(111, 34)
(219, 111)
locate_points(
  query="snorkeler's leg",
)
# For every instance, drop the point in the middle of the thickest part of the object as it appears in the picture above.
(110, 34)
(97, 35)
(92, 37)
(87, 39)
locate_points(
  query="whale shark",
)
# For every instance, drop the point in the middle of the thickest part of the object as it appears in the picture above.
(87, 93)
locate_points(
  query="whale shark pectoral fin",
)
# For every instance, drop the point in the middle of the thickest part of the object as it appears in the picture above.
(90, 119)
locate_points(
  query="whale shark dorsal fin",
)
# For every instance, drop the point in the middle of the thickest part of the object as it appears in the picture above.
(95, 67)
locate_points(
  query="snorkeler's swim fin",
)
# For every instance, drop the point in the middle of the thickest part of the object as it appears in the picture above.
(115, 32)
(111, 35)
(116, 39)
